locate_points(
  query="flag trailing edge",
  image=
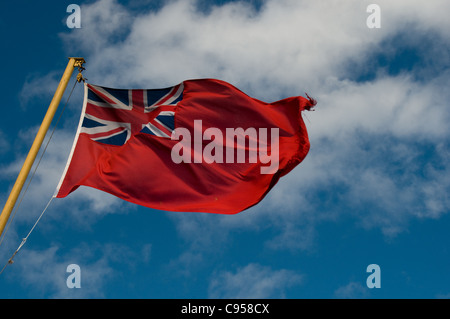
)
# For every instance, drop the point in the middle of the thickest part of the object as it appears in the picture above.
(199, 146)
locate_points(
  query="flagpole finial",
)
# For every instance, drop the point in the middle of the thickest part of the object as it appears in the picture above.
(79, 63)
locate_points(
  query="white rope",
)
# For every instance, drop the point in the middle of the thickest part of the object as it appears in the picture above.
(22, 195)
(24, 240)
(10, 261)
(37, 221)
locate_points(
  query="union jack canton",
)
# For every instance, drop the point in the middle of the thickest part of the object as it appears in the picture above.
(112, 116)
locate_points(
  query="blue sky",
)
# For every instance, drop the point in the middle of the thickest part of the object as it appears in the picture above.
(373, 189)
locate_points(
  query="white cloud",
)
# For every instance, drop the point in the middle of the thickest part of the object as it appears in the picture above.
(291, 43)
(44, 272)
(394, 105)
(353, 290)
(39, 86)
(253, 281)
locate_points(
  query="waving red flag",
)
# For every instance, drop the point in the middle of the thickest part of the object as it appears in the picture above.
(200, 146)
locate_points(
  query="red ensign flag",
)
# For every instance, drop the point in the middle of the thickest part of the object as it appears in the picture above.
(200, 146)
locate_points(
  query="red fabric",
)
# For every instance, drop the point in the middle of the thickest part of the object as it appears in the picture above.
(142, 170)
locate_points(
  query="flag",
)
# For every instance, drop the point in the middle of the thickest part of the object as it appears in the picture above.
(199, 146)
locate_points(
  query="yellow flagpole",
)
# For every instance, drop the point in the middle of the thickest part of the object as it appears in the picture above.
(21, 178)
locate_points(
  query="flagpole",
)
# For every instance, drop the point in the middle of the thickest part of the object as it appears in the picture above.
(23, 174)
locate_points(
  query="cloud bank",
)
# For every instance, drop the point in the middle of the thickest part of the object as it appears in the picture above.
(378, 134)
(379, 150)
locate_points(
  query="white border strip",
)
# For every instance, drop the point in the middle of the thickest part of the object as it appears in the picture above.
(69, 160)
